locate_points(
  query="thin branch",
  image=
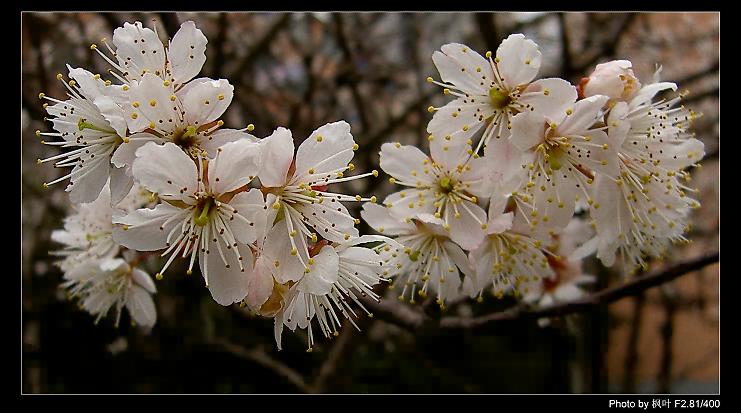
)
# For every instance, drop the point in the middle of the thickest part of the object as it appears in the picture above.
(567, 66)
(353, 75)
(403, 316)
(259, 356)
(488, 29)
(631, 357)
(609, 47)
(664, 378)
(336, 353)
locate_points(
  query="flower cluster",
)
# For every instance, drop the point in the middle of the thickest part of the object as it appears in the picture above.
(511, 161)
(154, 172)
(514, 161)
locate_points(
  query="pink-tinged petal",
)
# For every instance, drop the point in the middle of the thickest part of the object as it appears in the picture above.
(404, 161)
(141, 306)
(380, 219)
(528, 130)
(322, 274)
(145, 229)
(585, 114)
(251, 206)
(143, 279)
(166, 170)
(138, 50)
(151, 107)
(452, 71)
(259, 284)
(227, 283)
(205, 102)
(223, 136)
(277, 249)
(466, 231)
(519, 60)
(187, 52)
(550, 97)
(325, 152)
(121, 184)
(277, 155)
(234, 166)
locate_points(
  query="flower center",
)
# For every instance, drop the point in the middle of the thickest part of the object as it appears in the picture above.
(499, 98)
(446, 184)
(203, 208)
(185, 138)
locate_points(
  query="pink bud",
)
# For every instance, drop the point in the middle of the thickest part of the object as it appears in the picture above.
(614, 79)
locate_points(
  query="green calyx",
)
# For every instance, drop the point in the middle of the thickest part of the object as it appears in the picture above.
(83, 124)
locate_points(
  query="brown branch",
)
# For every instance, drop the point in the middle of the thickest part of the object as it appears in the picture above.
(353, 77)
(488, 29)
(261, 45)
(567, 67)
(609, 47)
(400, 315)
(664, 378)
(259, 356)
(336, 353)
(631, 357)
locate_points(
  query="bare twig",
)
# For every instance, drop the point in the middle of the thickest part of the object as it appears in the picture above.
(488, 29)
(336, 353)
(261, 46)
(631, 357)
(259, 356)
(667, 333)
(406, 317)
(609, 47)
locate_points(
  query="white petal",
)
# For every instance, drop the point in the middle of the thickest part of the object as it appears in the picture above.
(121, 184)
(323, 273)
(88, 86)
(466, 231)
(278, 249)
(142, 278)
(277, 155)
(234, 166)
(205, 102)
(251, 206)
(568, 292)
(519, 60)
(499, 223)
(646, 93)
(618, 125)
(454, 117)
(222, 137)
(125, 153)
(459, 258)
(679, 156)
(528, 129)
(138, 49)
(113, 113)
(141, 306)
(144, 233)
(400, 161)
(330, 219)
(166, 170)
(85, 186)
(408, 206)
(187, 52)
(449, 153)
(379, 218)
(505, 161)
(561, 96)
(151, 106)
(227, 285)
(325, 155)
(450, 72)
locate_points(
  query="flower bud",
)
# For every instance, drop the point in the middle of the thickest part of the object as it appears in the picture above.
(614, 79)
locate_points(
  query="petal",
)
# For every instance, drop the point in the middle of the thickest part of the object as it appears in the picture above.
(143, 231)
(585, 113)
(223, 136)
(505, 161)
(85, 186)
(459, 258)
(121, 184)
(227, 285)
(327, 151)
(454, 117)
(206, 101)
(152, 106)
(323, 273)
(561, 95)
(379, 218)
(138, 49)
(259, 284)
(87, 85)
(499, 223)
(251, 206)
(528, 129)
(618, 125)
(330, 219)
(166, 170)
(518, 60)
(475, 64)
(234, 166)
(113, 113)
(278, 248)
(456, 73)
(187, 52)
(125, 154)
(679, 155)
(141, 306)
(466, 231)
(646, 93)
(568, 292)
(449, 151)
(143, 279)
(405, 163)
(408, 204)
(277, 155)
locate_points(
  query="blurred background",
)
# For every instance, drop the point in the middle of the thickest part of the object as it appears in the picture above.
(302, 70)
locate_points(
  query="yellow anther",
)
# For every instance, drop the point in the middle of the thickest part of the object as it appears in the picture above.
(319, 138)
(220, 97)
(125, 88)
(446, 91)
(347, 237)
(158, 276)
(220, 123)
(294, 251)
(569, 111)
(93, 46)
(276, 205)
(135, 104)
(126, 139)
(173, 98)
(152, 103)
(311, 171)
(392, 180)
(546, 92)
(355, 147)
(166, 83)
(250, 127)
(488, 54)
(134, 115)
(431, 109)
(375, 173)
(429, 79)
